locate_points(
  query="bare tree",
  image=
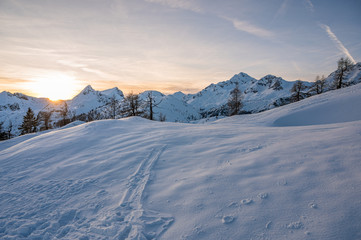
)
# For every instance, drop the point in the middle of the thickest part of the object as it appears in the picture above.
(162, 117)
(131, 105)
(150, 103)
(64, 112)
(297, 91)
(343, 65)
(235, 101)
(113, 107)
(92, 115)
(45, 117)
(318, 86)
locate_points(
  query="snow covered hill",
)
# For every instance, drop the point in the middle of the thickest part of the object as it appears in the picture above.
(256, 176)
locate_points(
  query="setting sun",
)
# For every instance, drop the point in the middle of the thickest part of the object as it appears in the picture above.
(56, 86)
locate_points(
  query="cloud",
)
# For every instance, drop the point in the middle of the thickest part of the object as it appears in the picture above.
(85, 68)
(282, 9)
(69, 63)
(338, 43)
(296, 66)
(247, 27)
(98, 72)
(181, 4)
(310, 5)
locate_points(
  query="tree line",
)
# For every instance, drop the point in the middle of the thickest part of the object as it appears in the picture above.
(299, 90)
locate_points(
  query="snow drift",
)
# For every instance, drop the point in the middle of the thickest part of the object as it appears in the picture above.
(245, 177)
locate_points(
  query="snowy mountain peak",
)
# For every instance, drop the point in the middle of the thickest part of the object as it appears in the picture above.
(179, 95)
(88, 89)
(271, 81)
(269, 77)
(154, 93)
(113, 92)
(242, 78)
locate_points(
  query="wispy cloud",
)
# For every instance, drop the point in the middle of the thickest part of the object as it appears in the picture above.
(296, 66)
(338, 43)
(98, 72)
(247, 27)
(69, 63)
(310, 5)
(181, 4)
(282, 10)
(85, 68)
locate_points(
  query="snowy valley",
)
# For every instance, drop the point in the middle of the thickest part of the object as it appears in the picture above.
(292, 172)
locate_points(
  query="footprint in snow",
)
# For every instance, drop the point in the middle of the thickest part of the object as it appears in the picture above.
(227, 219)
(246, 201)
(312, 205)
(295, 225)
(262, 195)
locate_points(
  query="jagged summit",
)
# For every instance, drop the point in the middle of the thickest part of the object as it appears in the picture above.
(113, 92)
(88, 89)
(241, 77)
(270, 77)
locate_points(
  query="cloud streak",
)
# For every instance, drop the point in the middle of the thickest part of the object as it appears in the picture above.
(310, 5)
(282, 10)
(338, 43)
(180, 4)
(247, 27)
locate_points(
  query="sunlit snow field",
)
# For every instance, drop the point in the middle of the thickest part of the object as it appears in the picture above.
(293, 172)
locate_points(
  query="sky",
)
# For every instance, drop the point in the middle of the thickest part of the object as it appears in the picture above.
(53, 48)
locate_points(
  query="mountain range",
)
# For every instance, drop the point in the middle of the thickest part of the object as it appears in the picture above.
(258, 95)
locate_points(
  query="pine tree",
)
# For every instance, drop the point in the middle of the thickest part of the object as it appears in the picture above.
(10, 128)
(30, 123)
(235, 101)
(3, 135)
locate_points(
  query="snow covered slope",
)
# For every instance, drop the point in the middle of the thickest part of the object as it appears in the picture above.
(245, 177)
(338, 106)
(173, 108)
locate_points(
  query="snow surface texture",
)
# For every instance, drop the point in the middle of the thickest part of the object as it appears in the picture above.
(259, 176)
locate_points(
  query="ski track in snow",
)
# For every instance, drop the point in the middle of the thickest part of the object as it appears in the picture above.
(141, 224)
